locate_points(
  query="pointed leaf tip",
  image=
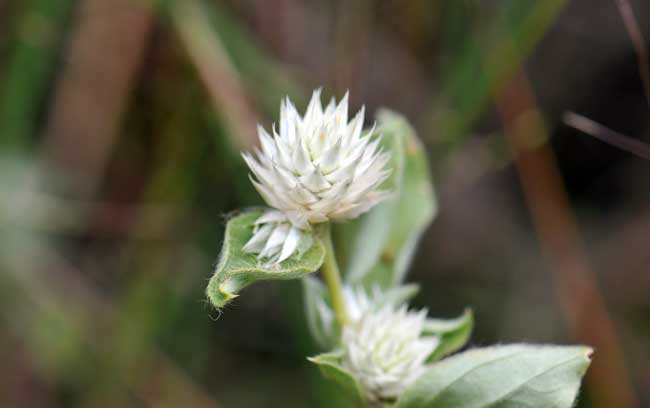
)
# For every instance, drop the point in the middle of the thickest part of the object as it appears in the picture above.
(502, 376)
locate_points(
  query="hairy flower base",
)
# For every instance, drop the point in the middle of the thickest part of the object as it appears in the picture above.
(275, 239)
(319, 167)
(386, 351)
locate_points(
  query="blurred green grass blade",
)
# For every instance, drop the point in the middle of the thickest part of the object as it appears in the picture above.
(485, 59)
(267, 79)
(29, 69)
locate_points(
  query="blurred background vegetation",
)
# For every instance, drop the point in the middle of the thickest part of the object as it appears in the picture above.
(121, 123)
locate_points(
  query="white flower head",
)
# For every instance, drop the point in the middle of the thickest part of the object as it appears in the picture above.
(319, 167)
(275, 239)
(386, 350)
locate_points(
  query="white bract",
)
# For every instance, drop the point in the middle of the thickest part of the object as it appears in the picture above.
(319, 167)
(386, 351)
(357, 303)
(276, 239)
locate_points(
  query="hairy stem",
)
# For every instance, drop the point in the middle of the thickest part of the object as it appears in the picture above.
(333, 279)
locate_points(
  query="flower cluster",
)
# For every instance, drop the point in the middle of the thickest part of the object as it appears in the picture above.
(386, 351)
(317, 168)
(384, 344)
(320, 168)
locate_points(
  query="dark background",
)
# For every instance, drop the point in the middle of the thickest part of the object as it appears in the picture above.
(121, 123)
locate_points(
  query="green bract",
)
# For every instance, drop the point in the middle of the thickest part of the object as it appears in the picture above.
(517, 375)
(237, 269)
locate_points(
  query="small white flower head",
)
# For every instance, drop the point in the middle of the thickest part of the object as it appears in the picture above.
(386, 350)
(319, 167)
(358, 302)
(275, 239)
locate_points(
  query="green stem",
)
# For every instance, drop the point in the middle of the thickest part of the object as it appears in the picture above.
(333, 279)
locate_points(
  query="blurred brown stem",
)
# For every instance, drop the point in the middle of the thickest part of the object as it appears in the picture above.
(103, 57)
(556, 226)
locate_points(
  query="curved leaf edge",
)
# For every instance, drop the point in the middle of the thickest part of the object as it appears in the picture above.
(235, 270)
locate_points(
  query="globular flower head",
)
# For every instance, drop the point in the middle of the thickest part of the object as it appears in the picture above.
(319, 167)
(276, 239)
(386, 350)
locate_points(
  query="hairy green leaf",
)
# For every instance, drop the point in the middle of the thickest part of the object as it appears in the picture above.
(237, 269)
(518, 375)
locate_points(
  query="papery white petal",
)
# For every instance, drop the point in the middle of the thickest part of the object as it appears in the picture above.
(331, 157)
(302, 195)
(290, 244)
(276, 237)
(271, 217)
(268, 146)
(314, 109)
(341, 114)
(301, 161)
(299, 219)
(315, 181)
(258, 241)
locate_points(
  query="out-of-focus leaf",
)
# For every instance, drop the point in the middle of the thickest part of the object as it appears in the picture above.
(480, 60)
(518, 375)
(329, 364)
(29, 68)
(453, 333)
(266, 77)
(237, 269)
(400, 294)
(320, 318)
(385, 239)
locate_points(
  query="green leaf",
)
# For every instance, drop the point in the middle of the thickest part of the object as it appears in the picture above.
(28, 68)
(330, 365)
(453, 333)
(237, 269)
(385, 239)
(320, 318)
(518, 375)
